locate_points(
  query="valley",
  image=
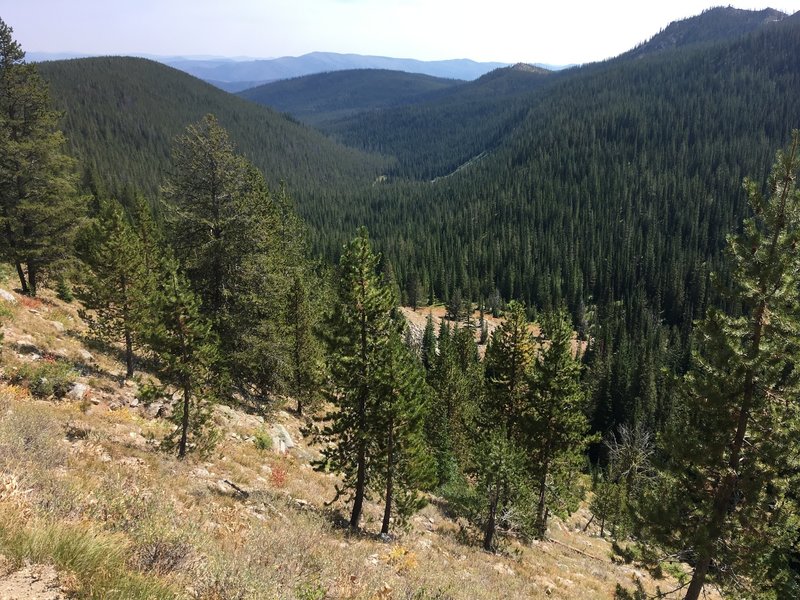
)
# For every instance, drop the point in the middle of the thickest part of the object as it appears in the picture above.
(383, 328)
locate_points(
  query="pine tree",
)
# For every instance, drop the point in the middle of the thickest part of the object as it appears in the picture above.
(359, 328)
(306, 353)
(403, 461)
(241, 248)
(186, 348)
(39, 208)
(116, 289)
(428, 346)
(457, 382)
(728, 499)
(455, 306)
(555, 421)
(501, 477)
(509, 358)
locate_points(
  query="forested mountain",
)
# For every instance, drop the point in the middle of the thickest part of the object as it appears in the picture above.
(121, 115)
(722, 23)
(434, 137)
(599, 183)
(316, 99)
(617, 176)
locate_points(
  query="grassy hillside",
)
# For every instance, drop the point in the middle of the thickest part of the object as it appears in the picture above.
(121, 115)
(85, 488)
(316, 99)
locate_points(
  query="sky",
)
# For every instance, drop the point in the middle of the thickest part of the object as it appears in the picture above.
(535, 31)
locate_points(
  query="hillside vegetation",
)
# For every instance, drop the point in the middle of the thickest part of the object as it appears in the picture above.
(86, 488)
(316, 99)
(504, 311)
(121, 115)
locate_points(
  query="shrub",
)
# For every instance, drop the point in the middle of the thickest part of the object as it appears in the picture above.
(46, 377)
(95, 558)
(263, 440)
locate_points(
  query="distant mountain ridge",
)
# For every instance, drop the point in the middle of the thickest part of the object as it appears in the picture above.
(322, 62)
(317, 98)
(712, 25)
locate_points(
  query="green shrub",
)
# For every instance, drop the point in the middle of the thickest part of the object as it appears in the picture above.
(64, 291)
(46, 377)
(263, 440)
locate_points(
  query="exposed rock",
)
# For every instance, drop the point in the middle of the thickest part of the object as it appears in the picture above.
(85, 356)
(201, 472)
(282, 440)
(152, 410)
(503, 569)
(78, 391)
(7, 296)
(58, 326)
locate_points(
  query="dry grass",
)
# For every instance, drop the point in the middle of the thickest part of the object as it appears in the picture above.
(122, 515)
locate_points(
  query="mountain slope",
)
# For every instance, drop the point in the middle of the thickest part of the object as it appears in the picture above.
(327, 96)
(86, 488)
(433, 137)
(723, 23)
(618, 181)
(121, 115)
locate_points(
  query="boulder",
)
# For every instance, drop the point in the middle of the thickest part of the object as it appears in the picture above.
(283, 440)
(78, 391)
(7, 296)
(85, 356)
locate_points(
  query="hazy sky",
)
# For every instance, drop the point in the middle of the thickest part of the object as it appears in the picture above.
(556, 32)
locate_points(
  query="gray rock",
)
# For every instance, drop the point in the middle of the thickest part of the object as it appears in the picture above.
(201, 473)
(152, 410)
(86, 356)
(78, 391)
(57, 325)
(284, 436)
(8, 296)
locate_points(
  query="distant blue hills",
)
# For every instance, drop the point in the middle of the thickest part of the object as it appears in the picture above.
(236, 74)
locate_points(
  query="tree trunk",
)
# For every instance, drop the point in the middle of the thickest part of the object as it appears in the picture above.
(23, 281)
(541, 510)
(31, 280)
(187, 394)
(361, 452)
(387, 511)
(698, 578)
(491, 524)
(128, 354)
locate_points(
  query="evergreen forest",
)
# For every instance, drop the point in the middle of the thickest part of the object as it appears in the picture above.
(629, 228)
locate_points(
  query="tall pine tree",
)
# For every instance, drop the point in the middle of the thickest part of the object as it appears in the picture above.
(186, 348)
(117, 288)
(359, 328)
(404, 462)
(728, 501)
(39, 207)
(555, 421)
